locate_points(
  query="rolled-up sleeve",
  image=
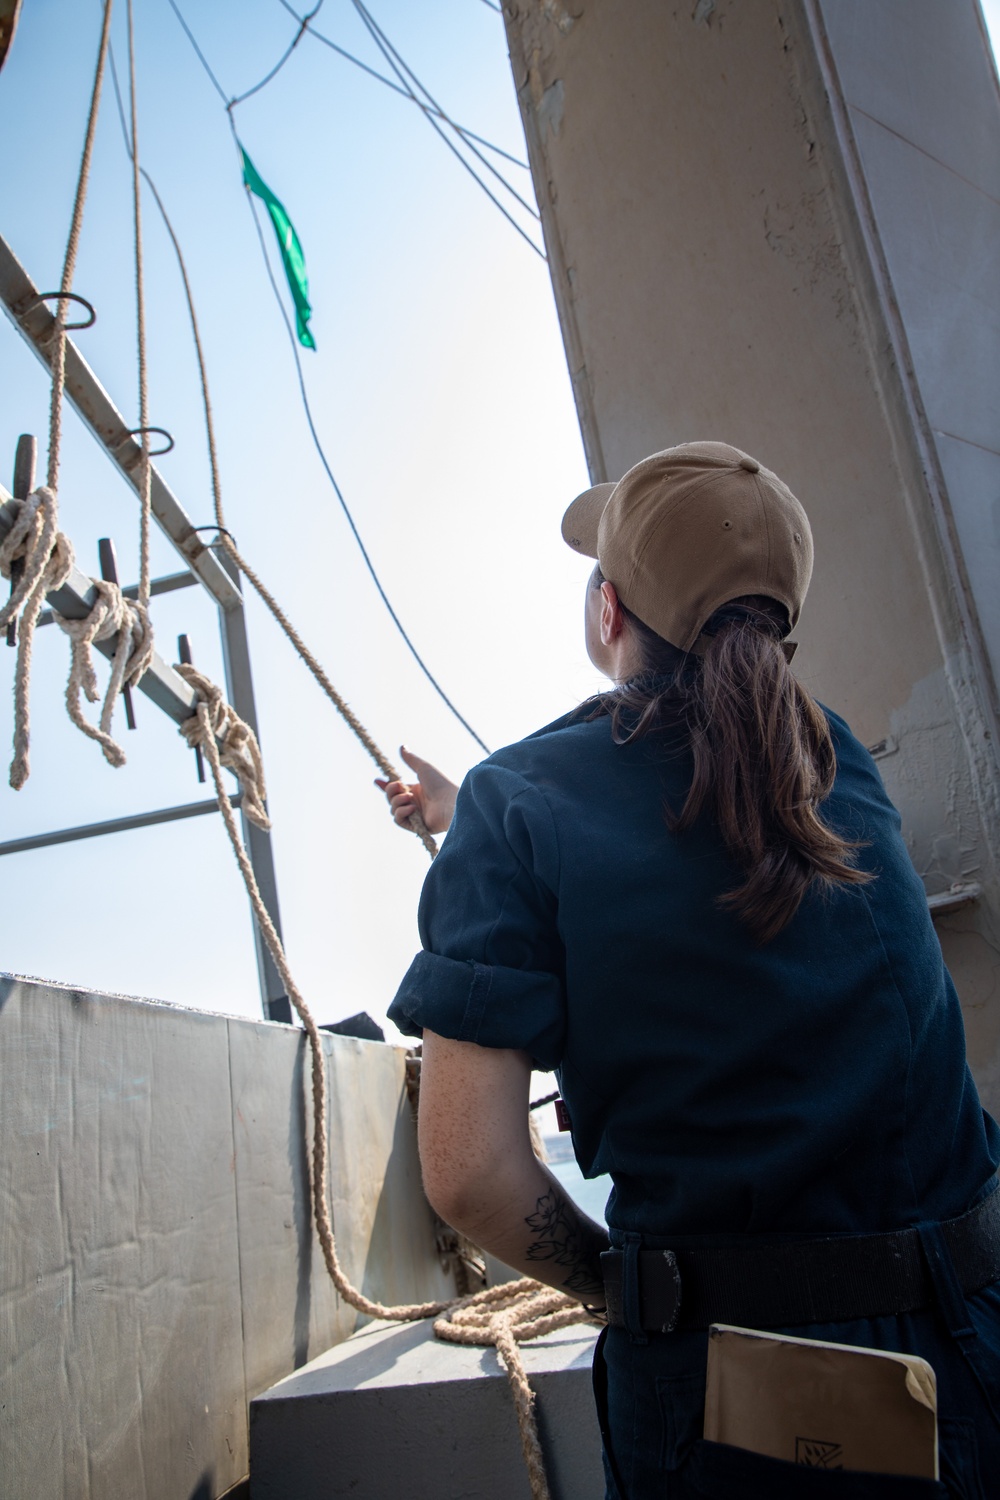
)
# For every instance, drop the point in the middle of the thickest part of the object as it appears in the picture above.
(492, 967)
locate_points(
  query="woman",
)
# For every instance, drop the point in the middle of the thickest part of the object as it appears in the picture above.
(691, 899)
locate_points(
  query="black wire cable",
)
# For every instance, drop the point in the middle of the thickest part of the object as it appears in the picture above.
(307, 409)
(303, 27)
(380, 38)
(200, 55)
(463, 130)
(339, 493)
(449, 143)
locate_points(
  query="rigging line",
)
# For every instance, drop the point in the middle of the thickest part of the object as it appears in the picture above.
(404, 93)
(454, 149)
(380, 38)
(493, 6)
(201, 56)
(318, 444)
(420, 104)
(69, 263)
(303, 27)
(282, 619)
(213, 460)
(145, 476)
(343, 503)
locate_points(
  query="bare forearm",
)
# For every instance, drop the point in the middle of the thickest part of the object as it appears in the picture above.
(483, 1177)
(531, 1224)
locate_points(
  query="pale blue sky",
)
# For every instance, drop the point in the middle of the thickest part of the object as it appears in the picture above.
(440, 388)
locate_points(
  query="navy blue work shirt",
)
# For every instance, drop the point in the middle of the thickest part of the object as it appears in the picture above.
(815, 1084)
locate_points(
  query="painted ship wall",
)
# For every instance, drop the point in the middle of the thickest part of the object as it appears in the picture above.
(158, 1266)
(778, 223)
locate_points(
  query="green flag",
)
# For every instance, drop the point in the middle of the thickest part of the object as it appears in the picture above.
(292, 257)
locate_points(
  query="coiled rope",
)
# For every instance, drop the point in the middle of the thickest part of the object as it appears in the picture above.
(503, 1316)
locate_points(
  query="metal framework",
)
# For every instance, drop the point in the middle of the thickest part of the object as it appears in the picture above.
(211, 569)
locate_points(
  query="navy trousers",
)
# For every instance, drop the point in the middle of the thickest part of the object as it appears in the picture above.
(650, 1391)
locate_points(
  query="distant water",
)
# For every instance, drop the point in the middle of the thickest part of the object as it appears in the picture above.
(591, 1195)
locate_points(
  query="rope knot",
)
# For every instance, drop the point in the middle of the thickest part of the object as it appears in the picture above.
(36, 557)
(216, 720)
(111, 614)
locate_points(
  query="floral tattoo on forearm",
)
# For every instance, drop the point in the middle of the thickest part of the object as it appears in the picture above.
(561, 1235)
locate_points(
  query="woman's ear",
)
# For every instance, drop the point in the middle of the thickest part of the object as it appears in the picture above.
(612, 619)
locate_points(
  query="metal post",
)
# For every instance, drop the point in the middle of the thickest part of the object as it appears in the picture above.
(239, 687)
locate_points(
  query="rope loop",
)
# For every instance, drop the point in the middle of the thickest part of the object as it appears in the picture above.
(60, 327)
(37, 557)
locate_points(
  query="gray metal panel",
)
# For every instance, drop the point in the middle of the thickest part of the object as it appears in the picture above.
(941, 238)
(972, 475)
(921, 98)
(291, 1311)
(35, 323)
(156, 1252)
(394, 1412)
(900, 61)
(121, 1367)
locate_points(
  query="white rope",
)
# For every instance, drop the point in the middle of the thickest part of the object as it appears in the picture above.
(45, 557)
(502, 1316)
(111, 615)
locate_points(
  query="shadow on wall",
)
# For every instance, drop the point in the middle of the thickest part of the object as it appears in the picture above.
(205, 1489)
(298, 1159)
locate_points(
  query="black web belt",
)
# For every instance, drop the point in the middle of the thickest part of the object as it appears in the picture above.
(778, 1283)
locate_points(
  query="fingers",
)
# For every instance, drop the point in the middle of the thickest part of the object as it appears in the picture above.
(403, 807)
(403, 800)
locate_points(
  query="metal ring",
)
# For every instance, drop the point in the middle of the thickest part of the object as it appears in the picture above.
(220, 529)
(154, 452)
(64, 297)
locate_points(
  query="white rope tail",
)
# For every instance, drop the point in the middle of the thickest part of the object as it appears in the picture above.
(45, 556)
(111, 615)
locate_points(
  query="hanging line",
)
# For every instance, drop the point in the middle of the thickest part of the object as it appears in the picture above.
(36, 556)
(145, 472)
(69, 263)
(463, 130)
(385, 48)
(416, 824)
(307, 410)
(303, 26)
(380, 38)
(407, 90)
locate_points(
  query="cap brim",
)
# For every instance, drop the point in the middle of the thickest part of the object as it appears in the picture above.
(582, 520)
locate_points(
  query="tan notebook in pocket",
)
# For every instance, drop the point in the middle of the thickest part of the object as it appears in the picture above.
(829, 1406)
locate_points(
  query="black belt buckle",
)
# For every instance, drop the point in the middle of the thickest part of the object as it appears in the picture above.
(660, 1294)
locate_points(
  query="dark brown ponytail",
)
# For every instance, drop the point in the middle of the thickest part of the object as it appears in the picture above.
(763, 757)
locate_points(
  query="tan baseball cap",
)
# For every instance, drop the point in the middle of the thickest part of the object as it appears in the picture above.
(687, 530)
